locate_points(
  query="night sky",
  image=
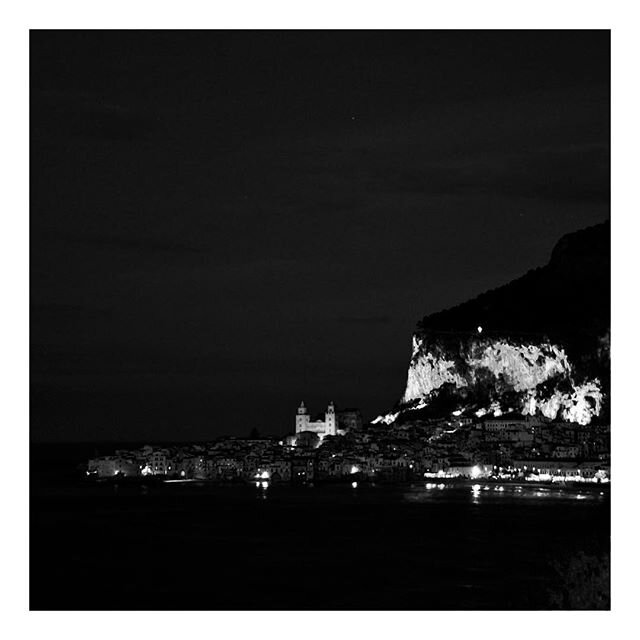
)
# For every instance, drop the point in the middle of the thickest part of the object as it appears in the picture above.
(225, 223)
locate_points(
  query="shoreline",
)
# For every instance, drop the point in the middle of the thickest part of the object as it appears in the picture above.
(346, 482)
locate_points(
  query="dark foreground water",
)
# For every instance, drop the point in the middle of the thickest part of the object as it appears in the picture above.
(198, 546)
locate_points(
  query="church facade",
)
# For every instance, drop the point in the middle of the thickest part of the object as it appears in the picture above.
(326, 427)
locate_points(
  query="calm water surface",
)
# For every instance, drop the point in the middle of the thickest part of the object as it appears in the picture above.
(199, 546)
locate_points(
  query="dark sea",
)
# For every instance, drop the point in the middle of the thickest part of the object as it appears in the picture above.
(421, 545)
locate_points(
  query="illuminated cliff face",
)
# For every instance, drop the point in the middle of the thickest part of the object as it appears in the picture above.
(539, 374)
(523, 366)
(429, 371)
(581, 405)
(454, 370)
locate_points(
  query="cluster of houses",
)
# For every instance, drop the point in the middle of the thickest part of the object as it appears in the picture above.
(504, 446)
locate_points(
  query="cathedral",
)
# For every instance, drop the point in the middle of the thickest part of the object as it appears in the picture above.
(326, 427)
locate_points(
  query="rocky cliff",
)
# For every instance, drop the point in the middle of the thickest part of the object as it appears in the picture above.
(538, 345)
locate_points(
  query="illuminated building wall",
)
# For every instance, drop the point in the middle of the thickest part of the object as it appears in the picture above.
(326, 427)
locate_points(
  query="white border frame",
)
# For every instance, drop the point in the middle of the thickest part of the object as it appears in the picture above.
(620, 16)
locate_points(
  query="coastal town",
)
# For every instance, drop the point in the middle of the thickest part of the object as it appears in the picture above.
(338, 446)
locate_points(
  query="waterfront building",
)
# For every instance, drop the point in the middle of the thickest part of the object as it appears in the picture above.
(302, 469)
(110, 466)
(226, 468)
(159, 462)
(280, 469)
(556, 469)
(190, 466)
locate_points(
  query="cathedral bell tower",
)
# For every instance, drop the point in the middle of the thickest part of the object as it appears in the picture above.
(330, 420)
(302, 419)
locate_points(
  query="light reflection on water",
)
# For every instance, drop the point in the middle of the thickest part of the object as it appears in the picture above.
(479, 493)
(452, 492)
(262, 486)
